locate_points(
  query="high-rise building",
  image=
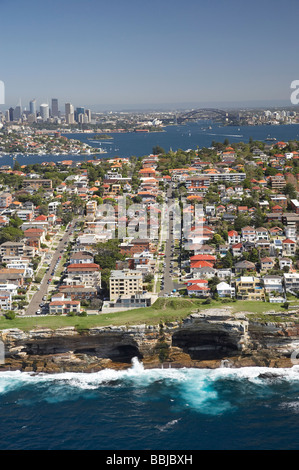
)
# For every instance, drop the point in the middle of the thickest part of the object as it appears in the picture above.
(11, 111)
(44, 112)
(55, 111)
(79, 111)
(32, 107)
(17, 113)
(88, 114)
(69, 113)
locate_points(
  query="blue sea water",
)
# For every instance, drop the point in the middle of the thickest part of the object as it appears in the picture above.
(157, 409)
(189, 136)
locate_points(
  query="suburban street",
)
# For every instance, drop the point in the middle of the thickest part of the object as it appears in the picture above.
(34, 304)
(168, 285)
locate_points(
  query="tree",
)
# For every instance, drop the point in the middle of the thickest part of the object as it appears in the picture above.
(289, 190)
(227, 260)
(258, 218)
(10, 315)
(158, 150)
(241, 221)
(10, 233)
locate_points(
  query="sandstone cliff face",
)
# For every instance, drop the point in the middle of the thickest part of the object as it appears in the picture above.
(210, 339)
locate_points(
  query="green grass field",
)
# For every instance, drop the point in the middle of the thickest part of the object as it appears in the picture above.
(163, 310)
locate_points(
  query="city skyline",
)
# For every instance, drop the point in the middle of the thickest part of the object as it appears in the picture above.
(125, 55)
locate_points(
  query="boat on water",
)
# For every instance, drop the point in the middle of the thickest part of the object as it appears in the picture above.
(270, 139)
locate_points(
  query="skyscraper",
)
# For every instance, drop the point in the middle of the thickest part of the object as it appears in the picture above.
(17, 114)
(77, 114)
(69, 113)
(88, 114)
(44, 112)
(55, 111)
(32, 107)
(11, 111)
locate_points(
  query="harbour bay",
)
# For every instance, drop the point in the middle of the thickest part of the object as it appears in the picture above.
(189, 136)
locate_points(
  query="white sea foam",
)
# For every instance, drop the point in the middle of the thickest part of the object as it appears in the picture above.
(168, 425)
(194, 389)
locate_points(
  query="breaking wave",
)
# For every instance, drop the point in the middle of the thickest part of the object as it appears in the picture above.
(199, 390)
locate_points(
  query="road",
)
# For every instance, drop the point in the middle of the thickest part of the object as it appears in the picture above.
(43, 290)
(169, 285)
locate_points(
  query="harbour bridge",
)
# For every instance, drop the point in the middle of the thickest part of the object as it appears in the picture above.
(204, 114)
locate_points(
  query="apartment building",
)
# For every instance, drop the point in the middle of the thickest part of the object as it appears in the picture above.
(91, 207)
(79, 292)
(250, 288)
(88, 273)
(5, 200)
(135, 246)
(278, 182)
(125, 282)
(37, 183)
(15, 249)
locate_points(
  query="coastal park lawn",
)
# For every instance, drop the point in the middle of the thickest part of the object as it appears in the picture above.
(163, 310)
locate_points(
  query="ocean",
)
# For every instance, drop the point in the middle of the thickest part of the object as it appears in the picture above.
(151, 410)
(189, 136)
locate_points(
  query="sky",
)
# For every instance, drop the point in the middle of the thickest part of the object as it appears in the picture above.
(129, 53)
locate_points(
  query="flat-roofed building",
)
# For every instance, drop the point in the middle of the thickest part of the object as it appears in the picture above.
(125, 282)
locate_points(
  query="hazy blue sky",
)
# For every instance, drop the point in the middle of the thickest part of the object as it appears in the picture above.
(148, 52)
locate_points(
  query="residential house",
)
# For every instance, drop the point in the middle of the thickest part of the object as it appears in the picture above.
(261, 233)
(225, 290)
(233, 237)
(64, 307)
(289, 247)
(225, 273)
(267, 263)
(248, 233)
(12, 276)
(198, 288)
(285, 263)
(135, 246)
(206, 272)
(243, 266)
(5, 300)
(273, 284)
(34, 237)
(237, 249)
(291, 281)
(81, 257)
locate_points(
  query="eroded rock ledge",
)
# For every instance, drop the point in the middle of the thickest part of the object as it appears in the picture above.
(203, 340)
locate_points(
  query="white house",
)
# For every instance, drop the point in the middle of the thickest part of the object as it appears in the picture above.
(273, 284)
(225, 290)
(233, 237)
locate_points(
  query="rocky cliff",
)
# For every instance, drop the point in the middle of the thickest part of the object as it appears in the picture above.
(211, 339)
